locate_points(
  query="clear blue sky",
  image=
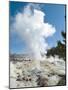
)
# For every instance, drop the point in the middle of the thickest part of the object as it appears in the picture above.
(54, 15)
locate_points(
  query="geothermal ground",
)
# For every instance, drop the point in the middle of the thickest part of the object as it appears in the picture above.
(36, 73)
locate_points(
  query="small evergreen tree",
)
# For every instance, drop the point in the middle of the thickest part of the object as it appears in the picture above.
(60, 49)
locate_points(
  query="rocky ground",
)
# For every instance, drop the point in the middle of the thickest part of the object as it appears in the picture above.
(36, 73)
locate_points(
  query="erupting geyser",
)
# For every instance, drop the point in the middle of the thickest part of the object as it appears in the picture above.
(29, 25)
(32, 29)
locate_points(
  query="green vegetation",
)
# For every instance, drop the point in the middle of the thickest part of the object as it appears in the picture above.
(60, 49)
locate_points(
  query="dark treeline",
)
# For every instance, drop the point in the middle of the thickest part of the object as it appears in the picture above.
(60, 49)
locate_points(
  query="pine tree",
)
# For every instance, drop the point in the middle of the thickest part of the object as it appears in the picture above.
(60, 49)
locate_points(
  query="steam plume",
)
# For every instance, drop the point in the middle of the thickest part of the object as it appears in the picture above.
(30, 26)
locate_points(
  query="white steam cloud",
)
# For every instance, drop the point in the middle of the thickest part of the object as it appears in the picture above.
(30, 26)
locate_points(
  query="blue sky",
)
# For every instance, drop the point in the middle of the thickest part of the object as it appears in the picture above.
(54, 15)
